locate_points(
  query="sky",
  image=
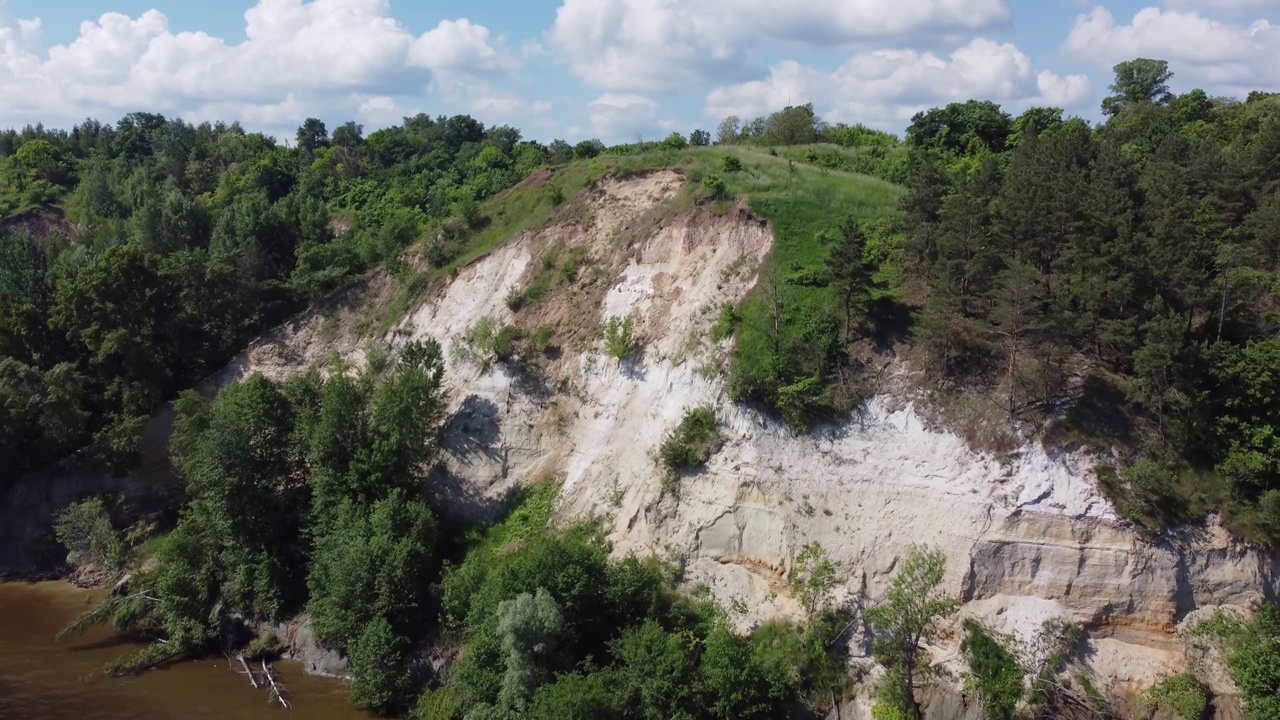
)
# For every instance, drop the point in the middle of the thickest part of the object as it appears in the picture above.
(617, 70)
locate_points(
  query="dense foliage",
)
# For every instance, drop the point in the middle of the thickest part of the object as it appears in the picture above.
(1248, 647)
(136, 258)
(1124, 273)
(300, 495)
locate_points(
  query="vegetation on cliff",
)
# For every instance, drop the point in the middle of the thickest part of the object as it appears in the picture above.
(1113, 285)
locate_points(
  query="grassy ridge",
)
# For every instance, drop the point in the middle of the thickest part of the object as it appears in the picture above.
(801, 200)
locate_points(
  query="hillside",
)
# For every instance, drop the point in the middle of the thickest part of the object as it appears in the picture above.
(1017, 385)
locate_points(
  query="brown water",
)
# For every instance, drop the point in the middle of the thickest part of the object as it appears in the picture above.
(44, 680)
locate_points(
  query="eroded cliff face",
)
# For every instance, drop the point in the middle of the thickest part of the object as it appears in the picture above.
(1027, 535)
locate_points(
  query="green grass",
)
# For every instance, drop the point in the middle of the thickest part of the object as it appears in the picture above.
(800, 199)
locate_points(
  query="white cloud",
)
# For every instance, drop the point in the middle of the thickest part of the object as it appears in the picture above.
(660, 45)
(380, 111)
(1228, 5)
(502, 105)
(620, 117)
(458, 45)
(297, 56)
(1231, 57)
(884, 88)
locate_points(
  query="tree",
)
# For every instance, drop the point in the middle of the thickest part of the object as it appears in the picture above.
(86, 531)
(730, 131)
(813, 577)
(377, 666)
(312, 135)
(656, 667)
(699, 138)
(371, 563)
(961, 128)
(741, 685)
(531, 628)
(850, 273)
(348, 135)
(575, 696)
(906, 620)
(675, 141)
(1141, 81)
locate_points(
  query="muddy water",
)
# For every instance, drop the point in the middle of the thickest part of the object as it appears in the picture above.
(44, 680)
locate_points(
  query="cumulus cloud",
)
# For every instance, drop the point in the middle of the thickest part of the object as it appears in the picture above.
(1228, 5)
(1233, 57)
(884, 88)
(623, 116)
(297, 55)
(658, 45)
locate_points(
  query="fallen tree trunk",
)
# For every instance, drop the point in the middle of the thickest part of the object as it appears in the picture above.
(248, 671)
(277, 693)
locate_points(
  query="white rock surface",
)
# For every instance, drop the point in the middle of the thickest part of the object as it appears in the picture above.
(1028, 537)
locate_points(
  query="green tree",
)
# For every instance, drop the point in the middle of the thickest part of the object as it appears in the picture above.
(85, 529)
(656, 668)
(741, 685)
(576, 696)
(851, 274)
(1137, 82)
(378, 668)
(373, 563)
(531, 628)
(906, 620)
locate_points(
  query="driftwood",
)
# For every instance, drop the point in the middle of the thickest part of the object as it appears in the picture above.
(248, 671)
(277, 690)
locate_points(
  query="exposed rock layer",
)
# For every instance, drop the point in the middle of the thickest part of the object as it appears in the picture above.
(1027, 536)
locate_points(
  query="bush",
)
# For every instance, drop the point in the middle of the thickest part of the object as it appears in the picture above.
(715, 188)
(674, 141)
(994, 671)
(1182, 694)
(555, 194)
(732, 164)
(692, 443)
(487, 342)
(726, 324)
(263, 646)
(619, 338)
(86, 531)
(442, 703)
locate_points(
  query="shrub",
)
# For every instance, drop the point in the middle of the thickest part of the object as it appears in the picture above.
(1182, 694)
(486, 342)
(619, 338)
(675, 141)
(994, 671)
(555, 194)
(442, 703)
(692, 443)
(264, 645)
(542, 337)
(86, 531)
(727, 323)
(732, 164)
(715, 187)
(377, 665)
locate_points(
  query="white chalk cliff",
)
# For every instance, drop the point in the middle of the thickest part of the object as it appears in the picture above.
(1027, 535)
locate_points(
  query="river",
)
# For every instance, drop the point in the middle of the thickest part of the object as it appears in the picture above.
(44, 680)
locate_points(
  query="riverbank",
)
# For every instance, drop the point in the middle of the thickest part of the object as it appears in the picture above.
(49, 680)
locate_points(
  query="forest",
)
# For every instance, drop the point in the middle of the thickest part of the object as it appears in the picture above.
(1111, 285)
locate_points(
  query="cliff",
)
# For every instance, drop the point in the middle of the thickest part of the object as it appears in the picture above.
(1027, 534)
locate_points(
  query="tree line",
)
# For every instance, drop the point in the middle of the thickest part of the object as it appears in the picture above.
(136, 258)
(1123, 276)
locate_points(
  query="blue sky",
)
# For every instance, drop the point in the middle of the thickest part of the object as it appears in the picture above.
(614, 69)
